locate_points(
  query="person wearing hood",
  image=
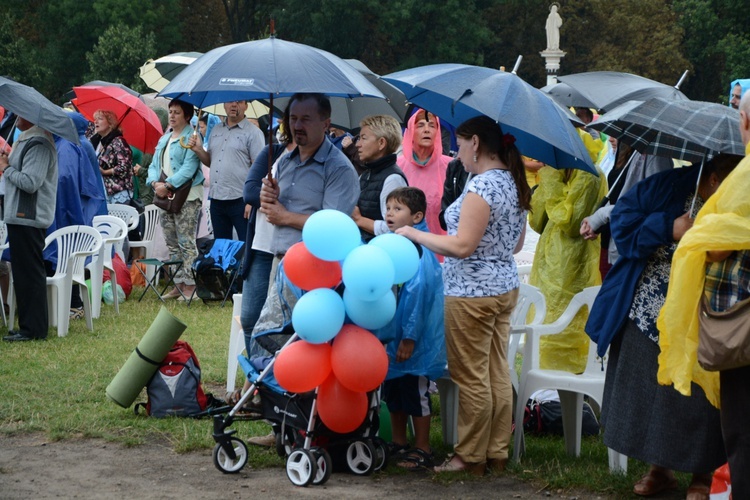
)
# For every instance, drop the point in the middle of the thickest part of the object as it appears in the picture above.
(424, 163)
(30, 174)
(87, 148)
(115, 157)
(379, 139)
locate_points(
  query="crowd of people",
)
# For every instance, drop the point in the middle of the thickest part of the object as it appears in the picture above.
(468, 215)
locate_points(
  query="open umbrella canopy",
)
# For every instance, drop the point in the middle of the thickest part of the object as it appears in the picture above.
(70, 95)
(457, 92)
(157, 73)
(29, 104)
(685, 130)
(267, 68)
(141, 127)
(347, 113)
(608, 89)
(564, 95)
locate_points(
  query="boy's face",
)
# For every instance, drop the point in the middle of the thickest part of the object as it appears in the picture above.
(398, 215)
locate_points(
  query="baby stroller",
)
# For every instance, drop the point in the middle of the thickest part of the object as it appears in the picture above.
(300, 436)
(216, 269)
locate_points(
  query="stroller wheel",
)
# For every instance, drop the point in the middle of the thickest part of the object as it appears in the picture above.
(361, 458)
(301, 467)
(381, 453)
(227, 464)
(325, 465)
(283, 445)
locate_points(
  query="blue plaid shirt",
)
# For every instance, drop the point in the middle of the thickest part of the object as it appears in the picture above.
(728, 281)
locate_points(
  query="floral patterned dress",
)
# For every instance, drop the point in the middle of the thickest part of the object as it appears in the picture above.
(114, 152)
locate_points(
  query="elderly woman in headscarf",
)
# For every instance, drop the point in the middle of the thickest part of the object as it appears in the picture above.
(424, 163)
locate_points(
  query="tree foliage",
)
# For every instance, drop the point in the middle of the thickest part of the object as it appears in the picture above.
(47, 42)
(119, 53)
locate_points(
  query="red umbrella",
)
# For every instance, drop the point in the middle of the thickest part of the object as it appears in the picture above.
(140, 125)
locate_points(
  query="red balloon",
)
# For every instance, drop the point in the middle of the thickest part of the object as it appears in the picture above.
(302, 366)
(309, 272)
(340, 409)
(358, 359)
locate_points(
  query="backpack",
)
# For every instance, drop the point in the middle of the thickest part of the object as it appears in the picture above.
(175, 389)
(544, 416)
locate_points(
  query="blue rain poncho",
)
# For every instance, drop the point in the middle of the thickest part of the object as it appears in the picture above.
(419, 316)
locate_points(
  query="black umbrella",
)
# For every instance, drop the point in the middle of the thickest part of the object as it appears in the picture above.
(29, 104)
(685, 130)
(564, 95)
(608, 89)
(101, 83)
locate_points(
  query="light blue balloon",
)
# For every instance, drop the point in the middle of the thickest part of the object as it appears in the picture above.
(330, 234)
(368, 272)
(318, 315)
(372, 314)
(402, 252)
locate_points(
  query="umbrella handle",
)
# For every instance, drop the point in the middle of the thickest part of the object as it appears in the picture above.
(195, 132)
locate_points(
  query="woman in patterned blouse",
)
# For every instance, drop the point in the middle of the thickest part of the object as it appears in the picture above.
(115, 157)
(486, 226)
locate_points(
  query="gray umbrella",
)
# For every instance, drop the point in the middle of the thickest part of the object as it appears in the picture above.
(564, 95)
(347, 113)
(29, 104)
(608, 89)
(685, 130)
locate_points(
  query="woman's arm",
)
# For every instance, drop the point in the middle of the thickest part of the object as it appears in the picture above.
(472, 224)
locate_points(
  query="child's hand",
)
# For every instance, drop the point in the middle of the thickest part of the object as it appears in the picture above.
(405, 350)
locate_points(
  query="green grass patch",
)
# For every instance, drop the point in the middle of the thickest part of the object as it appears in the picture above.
(58, 388)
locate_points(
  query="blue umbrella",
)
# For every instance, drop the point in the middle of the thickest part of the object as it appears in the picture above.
(265, 69)
(457, 92)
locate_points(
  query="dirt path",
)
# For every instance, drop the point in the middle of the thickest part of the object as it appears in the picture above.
(32, 467)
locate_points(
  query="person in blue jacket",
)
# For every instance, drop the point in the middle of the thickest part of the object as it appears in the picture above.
(417, 352)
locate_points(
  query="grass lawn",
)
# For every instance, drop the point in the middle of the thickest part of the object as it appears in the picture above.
(58, 387)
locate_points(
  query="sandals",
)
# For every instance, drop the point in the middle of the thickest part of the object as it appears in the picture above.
(77, 313)
(396, 450)
(455, 464)
(416, 459)
(655, 482)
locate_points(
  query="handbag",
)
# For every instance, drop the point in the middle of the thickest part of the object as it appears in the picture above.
(724, 337)
(174, 200)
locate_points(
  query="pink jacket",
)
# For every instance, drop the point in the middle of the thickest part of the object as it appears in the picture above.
(430, 177)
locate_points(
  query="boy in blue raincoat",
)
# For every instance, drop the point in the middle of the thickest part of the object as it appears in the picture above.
(417, 352)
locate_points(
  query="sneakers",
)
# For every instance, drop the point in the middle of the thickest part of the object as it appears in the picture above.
(76, 313)
(269, 441)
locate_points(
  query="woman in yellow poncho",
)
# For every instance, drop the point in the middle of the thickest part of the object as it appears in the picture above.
(564, 263)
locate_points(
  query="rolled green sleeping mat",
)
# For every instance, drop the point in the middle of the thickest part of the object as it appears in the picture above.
(144, 360)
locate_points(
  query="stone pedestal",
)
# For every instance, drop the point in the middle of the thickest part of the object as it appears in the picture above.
(552, 59)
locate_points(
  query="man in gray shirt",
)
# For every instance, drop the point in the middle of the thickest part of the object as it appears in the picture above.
(234, 145)
(314, 176)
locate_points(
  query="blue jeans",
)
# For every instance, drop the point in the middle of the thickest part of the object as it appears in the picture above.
(226, 215)
(254, 291)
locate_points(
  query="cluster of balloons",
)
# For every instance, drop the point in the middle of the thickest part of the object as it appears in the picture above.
(355, 362)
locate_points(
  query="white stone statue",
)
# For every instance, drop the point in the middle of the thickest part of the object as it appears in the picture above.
(554, 21)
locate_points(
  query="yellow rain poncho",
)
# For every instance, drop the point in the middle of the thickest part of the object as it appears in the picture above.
(722, 224)
(565, 263)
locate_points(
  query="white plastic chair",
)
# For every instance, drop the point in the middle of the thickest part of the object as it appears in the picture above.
(128, 214)
(448, 390)
(74, 245)
(236, 342)
(523, 257)
(570, 387)
(152, 213)
(113, 230)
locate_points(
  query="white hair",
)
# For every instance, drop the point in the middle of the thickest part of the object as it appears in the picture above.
(745, 103)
